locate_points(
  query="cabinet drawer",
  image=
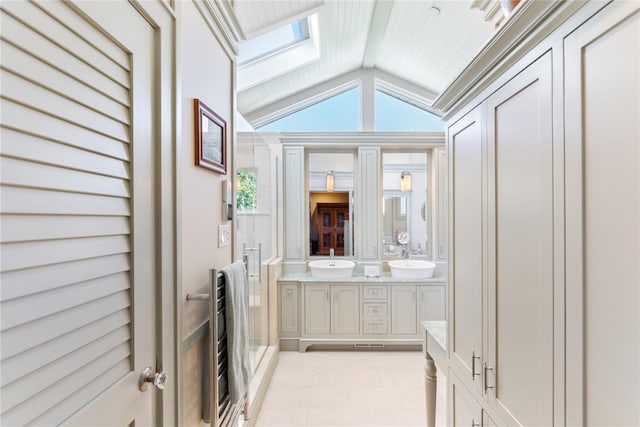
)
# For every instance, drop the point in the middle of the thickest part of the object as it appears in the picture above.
(373, 327)
(375, 292)
(372, 309)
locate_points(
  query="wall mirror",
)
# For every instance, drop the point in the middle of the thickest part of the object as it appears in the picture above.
(404, 203)
(330, 179)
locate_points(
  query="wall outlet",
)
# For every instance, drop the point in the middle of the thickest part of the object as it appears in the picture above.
(224, 235)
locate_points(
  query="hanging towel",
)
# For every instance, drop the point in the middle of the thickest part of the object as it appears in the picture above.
(237, 317)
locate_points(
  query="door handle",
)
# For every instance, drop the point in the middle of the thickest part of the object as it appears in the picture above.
(486, 377)
(149, 377)
(473, 365)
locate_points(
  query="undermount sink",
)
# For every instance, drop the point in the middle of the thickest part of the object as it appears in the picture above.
(328, 269)
(411, 269)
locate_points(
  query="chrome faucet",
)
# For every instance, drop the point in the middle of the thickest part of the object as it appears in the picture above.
(404, 253)
(331, 253)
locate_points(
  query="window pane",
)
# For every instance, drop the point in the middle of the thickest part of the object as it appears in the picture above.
(273, 41)
(246, 189)
(393, 114)
(339, 113)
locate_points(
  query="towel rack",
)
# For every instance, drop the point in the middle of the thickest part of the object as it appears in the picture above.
(221, 412)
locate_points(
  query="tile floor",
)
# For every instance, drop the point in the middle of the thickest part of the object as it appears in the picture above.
(331, 389)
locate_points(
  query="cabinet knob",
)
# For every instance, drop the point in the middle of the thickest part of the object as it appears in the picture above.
(289, 291)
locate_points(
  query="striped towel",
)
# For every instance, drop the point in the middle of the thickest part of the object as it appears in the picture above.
(237, 317)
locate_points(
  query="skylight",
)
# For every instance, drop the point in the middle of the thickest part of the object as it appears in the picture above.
(274, 41)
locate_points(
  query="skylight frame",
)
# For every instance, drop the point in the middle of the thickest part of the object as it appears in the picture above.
(280, 61)
(301, 32)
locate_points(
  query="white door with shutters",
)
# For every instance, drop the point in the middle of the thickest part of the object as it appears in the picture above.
(77, 231)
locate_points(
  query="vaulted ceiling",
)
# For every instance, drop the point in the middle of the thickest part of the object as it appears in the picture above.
(414, 46)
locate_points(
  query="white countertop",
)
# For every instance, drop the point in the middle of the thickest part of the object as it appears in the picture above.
(438, 330)
(384, 278)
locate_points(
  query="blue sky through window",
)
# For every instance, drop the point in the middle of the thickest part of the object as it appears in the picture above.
(393, 114)
(273, 41)
(340, 113)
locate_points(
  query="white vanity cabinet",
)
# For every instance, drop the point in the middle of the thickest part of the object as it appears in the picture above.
(345, 311)
(403, 310)
(317, 309)
(356, 313)
(375, 310)
(331, 309)
(288, 314)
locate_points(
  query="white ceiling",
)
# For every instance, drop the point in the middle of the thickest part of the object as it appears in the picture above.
(403, 41)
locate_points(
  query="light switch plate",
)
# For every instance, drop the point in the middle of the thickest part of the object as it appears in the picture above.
(224, 235)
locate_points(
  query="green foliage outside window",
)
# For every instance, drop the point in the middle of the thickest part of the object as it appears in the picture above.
(246, 189)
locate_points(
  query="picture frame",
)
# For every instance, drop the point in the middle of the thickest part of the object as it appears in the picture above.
(210, 138)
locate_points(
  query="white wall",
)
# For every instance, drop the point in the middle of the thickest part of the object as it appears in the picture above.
(205, 72)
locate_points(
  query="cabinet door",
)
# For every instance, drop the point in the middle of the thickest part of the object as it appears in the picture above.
(441, 208)
(602, 138)
(317, 309)
(431, 303)
(465, 148)
(369, 234)
(346, 309)
(464, 411)
(519, 360)
(289, 309)
(403, 310)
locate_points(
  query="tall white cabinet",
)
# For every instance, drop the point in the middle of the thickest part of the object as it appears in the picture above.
(602, 142)
(544, 214)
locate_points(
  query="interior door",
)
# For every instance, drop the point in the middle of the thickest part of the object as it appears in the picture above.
(331, 227)
(78, 242)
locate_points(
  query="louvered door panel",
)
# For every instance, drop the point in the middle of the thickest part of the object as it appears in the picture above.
(66, 236)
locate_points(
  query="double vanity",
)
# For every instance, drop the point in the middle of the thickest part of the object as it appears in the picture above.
(330, 306)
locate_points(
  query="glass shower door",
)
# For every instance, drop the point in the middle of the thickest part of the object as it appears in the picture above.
(254, 228)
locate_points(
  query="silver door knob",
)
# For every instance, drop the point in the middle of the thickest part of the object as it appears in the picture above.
(149, 377)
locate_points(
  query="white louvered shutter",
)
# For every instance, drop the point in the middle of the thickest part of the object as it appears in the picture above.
(67, 202)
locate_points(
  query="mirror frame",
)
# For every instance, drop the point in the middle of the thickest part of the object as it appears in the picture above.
(307, 199)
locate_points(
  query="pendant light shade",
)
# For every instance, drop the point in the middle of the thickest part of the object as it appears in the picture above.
(331, 177)
(405, 181)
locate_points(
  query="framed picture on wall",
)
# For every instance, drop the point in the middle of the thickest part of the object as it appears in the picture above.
(211, 138)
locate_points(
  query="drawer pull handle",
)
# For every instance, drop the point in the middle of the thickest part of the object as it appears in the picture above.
(473, 365)
(486, 377)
